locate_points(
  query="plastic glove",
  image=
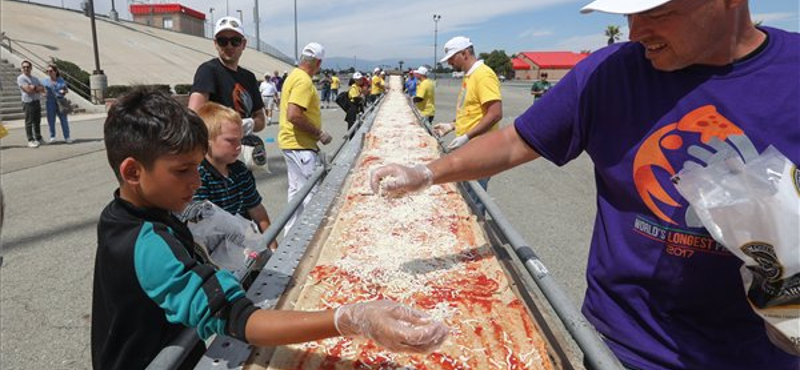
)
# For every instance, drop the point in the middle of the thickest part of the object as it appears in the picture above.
(442, 129)
(393, 325)
(325, 138)
(398, 178)
(458, 142)
(247, 126)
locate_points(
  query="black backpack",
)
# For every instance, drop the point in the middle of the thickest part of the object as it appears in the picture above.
(343, 100)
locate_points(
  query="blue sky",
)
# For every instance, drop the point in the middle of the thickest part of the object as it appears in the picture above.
(389, 29)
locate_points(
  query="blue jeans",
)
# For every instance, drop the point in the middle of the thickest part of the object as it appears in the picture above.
(52, 112)
(480, 208)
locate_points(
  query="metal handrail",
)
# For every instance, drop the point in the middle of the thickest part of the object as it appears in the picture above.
(173, 355)
(32, 56)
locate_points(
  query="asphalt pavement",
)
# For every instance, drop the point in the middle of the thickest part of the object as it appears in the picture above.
(55, 193)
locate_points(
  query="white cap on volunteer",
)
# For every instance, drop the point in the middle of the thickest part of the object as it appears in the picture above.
(455, 45)
(314, 50)
(622, 6)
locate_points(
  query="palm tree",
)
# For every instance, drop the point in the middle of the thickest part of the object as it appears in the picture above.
(613, 34)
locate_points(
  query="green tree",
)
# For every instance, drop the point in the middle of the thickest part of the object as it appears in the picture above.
(498, 61)
(613, 33)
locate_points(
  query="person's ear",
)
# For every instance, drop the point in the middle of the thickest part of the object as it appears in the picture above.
(130, 170)
(244, 43)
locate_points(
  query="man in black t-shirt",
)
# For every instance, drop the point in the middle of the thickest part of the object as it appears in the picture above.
(222, 81)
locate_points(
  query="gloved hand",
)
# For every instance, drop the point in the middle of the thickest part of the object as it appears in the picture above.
(398, 178)
(441, 129)
(458, 142)
(325, 138)
(393, 325)
(247, 126)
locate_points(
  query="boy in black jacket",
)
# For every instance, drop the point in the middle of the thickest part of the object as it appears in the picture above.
(150, 281)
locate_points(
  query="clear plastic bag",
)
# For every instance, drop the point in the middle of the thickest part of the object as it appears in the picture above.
(233, 241)
(753, 209)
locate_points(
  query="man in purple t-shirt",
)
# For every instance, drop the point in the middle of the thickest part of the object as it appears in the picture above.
(698, 83)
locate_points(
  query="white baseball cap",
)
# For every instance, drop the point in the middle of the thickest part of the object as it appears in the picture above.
(314, 50)
(455, 45)
(421, 71)
(357, 76)
(229, 23)
(622, 6)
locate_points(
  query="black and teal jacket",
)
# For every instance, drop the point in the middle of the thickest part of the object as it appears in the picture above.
(150, 283)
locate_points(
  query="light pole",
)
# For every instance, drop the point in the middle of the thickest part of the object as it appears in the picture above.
(227, 8)
(113, 14)
(240, 17)
(211, 29)
(436, 18)
(257, 21)
(97, 81)
(296, 60)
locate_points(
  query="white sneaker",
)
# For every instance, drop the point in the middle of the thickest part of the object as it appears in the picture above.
(33, 144)
(52, 140)
(69, 140)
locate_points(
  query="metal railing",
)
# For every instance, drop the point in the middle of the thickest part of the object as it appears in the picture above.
(174, 354)
(41, 64)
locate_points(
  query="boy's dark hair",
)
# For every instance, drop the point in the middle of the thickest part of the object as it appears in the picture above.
(146, 124)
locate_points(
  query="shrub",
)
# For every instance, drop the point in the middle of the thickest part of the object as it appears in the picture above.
(183, 89)
(77, 79)
(116, 91)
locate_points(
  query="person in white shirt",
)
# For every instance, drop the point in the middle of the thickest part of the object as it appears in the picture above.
(269, 94)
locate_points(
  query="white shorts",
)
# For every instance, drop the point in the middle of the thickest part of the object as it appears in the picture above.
(269, 102)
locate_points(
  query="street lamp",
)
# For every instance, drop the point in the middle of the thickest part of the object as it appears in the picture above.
(113, 14)
(240, 17)
(436, 18)
(296, 60)
(257, 21)
(211, 29)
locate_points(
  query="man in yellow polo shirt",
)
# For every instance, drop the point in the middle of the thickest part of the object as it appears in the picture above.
(479, 108)
(301, 124)
(425, 97)
(335, 83)
(377, 86)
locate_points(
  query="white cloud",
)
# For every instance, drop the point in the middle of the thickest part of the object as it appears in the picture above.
(534, 33)
(774, 17)
(590, 42)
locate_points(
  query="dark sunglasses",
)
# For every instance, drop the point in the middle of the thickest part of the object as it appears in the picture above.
(223, 41)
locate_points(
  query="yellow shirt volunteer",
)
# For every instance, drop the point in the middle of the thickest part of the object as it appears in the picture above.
(335, 83)
(425, 91)
(354, 92)
(299, 89)
(377, 85)
(479, 87)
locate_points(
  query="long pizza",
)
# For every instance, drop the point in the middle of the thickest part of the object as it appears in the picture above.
(425, 250)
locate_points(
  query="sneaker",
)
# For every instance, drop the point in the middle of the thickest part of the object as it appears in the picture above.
(69, 140)
(52, 140)
(33, 144)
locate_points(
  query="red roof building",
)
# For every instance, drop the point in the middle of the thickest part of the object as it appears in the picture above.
(173, 16)
(530, 65)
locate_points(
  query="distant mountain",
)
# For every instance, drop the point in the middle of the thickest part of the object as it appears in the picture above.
(339, 63)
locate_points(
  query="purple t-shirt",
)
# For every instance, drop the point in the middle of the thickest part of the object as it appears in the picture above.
(660, 289)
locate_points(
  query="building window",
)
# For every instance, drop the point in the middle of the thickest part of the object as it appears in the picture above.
(167, 22)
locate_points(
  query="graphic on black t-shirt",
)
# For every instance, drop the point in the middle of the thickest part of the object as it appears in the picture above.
(242, 101)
